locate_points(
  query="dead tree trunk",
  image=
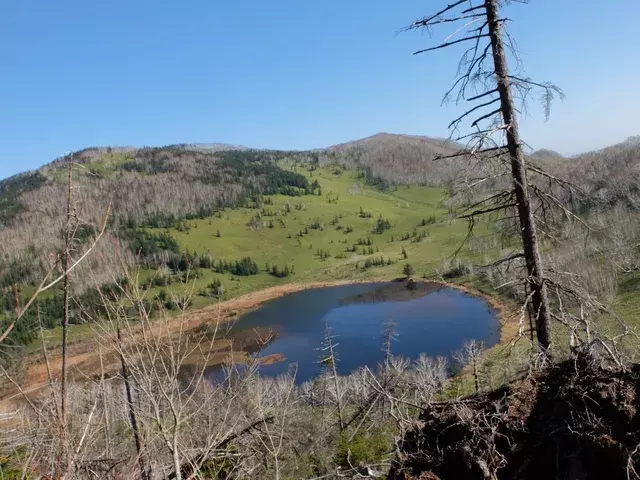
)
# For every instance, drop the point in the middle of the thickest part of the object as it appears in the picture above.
(65, 459)
(130, 406)
(539, 298)
(494, 148)
(329, 362)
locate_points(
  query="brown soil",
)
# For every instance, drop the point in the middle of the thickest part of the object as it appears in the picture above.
(84, 361)
(574, 421)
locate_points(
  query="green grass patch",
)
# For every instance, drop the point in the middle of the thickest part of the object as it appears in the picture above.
(76, 333)
(309, 233)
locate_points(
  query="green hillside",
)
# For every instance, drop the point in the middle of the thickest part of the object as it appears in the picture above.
(214, 219)
(316, 235)
(210, 221)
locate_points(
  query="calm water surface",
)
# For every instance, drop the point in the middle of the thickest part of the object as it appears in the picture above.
(431, 319)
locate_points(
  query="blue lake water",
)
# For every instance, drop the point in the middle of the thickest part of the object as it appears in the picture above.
(431, 319)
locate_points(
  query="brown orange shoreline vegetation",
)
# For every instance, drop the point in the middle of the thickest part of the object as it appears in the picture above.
(85, 362)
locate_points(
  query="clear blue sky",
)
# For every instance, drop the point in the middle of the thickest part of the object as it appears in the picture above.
(286, 73)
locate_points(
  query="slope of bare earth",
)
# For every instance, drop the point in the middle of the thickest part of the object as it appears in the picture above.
(576, 420)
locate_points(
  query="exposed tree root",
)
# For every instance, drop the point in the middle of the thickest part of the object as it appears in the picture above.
(574, 421)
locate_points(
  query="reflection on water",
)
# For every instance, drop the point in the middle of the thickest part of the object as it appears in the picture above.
(400, 291)
(429, 318)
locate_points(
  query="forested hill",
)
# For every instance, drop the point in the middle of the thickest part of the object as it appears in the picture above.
(182, 181)
(281, 200)
(156, 195)
(147, 187)
(609, 177)
(394, 159)
(159, 187)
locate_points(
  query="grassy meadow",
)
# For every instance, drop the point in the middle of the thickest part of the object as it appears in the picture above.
(345, 213)
(315, 236)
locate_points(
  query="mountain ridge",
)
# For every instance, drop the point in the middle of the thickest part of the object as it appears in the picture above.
(85, 155)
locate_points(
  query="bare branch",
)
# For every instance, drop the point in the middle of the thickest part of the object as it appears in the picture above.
(426, 21)
(448, 44)
(468, 112)
(484, 117)
(477, 97)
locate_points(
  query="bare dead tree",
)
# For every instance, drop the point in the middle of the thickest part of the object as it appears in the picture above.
(484, 80)
(428, 376)
(389, 335)
(470, 354)
(47, 282)
(273, 440)
(329, 361)
(115, 319)
(71, 224)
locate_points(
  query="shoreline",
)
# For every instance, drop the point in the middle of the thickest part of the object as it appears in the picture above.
(82, 357)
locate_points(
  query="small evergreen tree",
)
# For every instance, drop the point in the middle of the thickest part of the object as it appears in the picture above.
(408, 270)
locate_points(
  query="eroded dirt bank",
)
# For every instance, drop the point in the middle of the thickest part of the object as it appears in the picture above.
(576, 420)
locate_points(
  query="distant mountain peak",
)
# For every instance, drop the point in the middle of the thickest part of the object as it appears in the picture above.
(547, 154)
(633, 140)
(212, 147)
(388, 139)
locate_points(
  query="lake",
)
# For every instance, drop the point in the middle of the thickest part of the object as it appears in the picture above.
(430, 318)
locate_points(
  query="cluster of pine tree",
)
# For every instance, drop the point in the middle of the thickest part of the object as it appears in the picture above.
(216, 288)
(182, 262)
(323, 254)
(244, 166)
(381, 226)
(317, 225)
(243, 267)
(414, 236)
(183, 226)
(158, 280)
(332, 200)
(47, 312)
(427, 221)
(376, 262)
(364, 241)
(147, 244)
(364, 214)
(11, 190)
(282, 272)
(419, 237)
(14, 271)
